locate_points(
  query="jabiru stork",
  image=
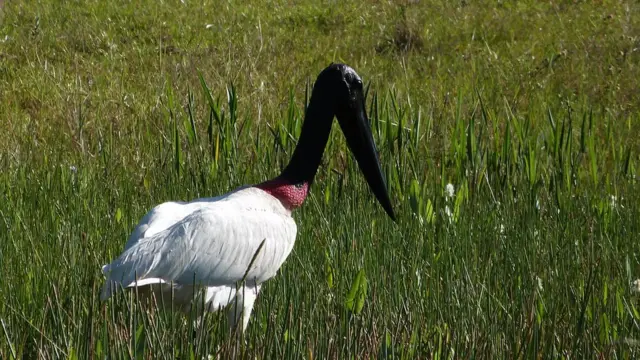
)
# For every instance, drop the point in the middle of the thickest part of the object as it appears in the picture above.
(209, 245)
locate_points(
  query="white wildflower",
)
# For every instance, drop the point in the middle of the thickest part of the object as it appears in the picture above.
(449, 191)
(635, 286)
(73, 169)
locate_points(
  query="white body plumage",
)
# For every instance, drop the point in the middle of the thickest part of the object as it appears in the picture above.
(209, 243)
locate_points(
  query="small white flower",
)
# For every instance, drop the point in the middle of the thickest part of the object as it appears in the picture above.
(449, 191)
(73, 169)
(613, 201)
(635, 286)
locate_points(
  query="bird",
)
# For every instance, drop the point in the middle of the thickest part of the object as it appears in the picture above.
(217, 252)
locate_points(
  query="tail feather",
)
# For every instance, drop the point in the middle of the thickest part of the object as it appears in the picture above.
(110, 287)
(124, 272)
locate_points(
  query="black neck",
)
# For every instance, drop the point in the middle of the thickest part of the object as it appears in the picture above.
(313, 138)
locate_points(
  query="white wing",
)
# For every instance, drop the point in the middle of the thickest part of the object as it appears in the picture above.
(211, 246)
(168, 214)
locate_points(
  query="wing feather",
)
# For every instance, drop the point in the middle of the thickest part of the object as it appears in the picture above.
(212, 246)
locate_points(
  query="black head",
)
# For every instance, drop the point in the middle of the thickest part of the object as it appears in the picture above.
(343, 85)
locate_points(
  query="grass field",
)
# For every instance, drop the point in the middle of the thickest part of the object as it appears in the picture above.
(529, 109)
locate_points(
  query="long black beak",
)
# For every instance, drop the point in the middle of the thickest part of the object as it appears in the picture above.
(357, 130)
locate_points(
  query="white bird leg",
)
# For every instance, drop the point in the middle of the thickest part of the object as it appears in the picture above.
(241, 307)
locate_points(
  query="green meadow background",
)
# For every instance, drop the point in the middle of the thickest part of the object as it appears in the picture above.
(529, 109)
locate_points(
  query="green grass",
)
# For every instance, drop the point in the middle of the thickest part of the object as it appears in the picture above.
(530, 109)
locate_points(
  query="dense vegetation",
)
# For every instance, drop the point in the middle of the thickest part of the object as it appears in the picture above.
(528, 109)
